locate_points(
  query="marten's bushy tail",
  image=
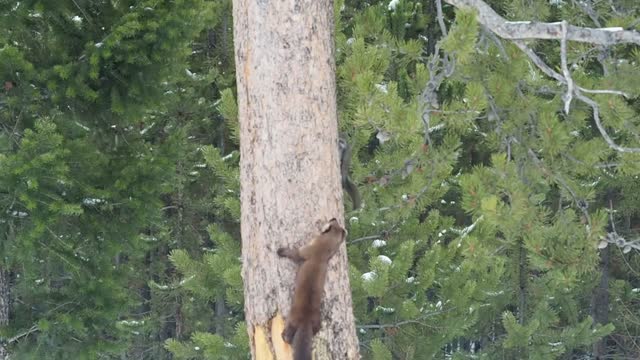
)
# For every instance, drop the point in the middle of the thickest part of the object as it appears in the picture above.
(302, 342)
(353, 192)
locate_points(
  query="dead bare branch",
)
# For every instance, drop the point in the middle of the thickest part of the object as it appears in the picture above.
(578, 93)
(565, 69)
(518, 30)
(28, 332)
(440, 17)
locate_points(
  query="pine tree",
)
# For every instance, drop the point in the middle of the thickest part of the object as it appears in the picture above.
(474, 237)
(495, 224)
(511, 277)
(85, 161)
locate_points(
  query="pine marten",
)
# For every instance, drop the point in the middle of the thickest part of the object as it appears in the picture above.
(345, 163)
(304, 318)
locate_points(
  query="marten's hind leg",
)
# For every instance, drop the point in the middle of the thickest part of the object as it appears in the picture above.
(288, 333)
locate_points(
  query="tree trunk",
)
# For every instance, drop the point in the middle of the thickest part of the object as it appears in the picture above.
(5, 302)
(289, 172)
(523, 274)
(600, 302)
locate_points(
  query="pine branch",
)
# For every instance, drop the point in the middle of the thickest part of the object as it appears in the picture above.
(578, 93)
(586, 8)
(465, 231)
(440, 67)
(31, 330)
(518, 30)
(552, 73)
(365, 238)
(580, 203)
(404, 322)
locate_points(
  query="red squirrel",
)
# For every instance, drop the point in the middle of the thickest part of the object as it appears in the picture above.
(304, 318)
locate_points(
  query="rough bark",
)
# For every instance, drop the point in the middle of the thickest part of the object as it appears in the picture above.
(5, 302)
(289, 172)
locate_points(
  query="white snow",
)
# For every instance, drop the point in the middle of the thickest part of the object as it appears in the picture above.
(82, 126)
(382, 88)
(494, 293)
(385, 309)
(393, 4)
(132, 322)
(184, 281)
(378, 243)
(384, 259)
(92, 201)
(19, 214)
(370, 276)
(77, 19)
(191, 75)
(144, 131)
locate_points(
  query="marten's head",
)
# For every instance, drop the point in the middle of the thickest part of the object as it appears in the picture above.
(333, 234)
(333, 225)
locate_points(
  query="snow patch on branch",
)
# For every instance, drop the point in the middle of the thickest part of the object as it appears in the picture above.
(370, 276)
(384, 259)
(378, 243)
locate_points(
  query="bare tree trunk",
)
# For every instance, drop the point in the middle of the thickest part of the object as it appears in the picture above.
(5, 302)
(523, 274)
(289, 171)
(600, 303)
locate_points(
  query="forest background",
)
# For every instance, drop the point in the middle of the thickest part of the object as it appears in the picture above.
(495, 225)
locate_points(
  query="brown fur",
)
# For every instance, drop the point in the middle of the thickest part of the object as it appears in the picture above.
(345, 165)
(304, 318)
